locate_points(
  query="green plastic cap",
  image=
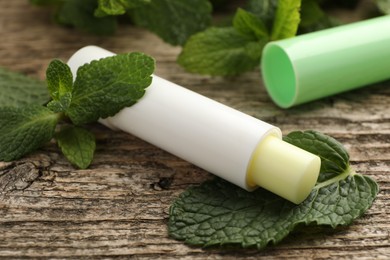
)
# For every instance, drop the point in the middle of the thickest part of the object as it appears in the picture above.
(327, 62)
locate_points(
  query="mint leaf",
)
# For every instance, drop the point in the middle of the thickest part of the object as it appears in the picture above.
(287, 19)
(24, 129)
(173, 20)
(116, 7)
(220, 51)
(234, 50)
(219, 213)
(60, 84)
(77, 144)
(17, 89)
(80, 14)
(248, 24)
(102, 88)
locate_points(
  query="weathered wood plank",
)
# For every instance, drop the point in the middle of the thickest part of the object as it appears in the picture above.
(119, 206)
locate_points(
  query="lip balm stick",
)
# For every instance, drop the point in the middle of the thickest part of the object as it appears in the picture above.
(228, 143)
(327, 62)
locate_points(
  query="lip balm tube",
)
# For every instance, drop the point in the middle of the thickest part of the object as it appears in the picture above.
(327, 62)
(226, 142)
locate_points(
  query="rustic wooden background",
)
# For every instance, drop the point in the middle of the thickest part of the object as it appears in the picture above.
(119, 206)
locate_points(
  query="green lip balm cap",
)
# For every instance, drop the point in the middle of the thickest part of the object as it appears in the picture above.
(323, 63)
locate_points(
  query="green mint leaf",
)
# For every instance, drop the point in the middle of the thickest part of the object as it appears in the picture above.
(60, 84)
(18, 90)
(219, 213)
(117, 7)
(173, 20)
(249, 24)
(77, 144)
(102, 88)
(287, 19)
(59, 79)
(220, 51)
(231, 50)
(80, 14)
(24, 129)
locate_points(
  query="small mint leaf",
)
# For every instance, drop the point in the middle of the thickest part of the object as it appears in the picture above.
(59, 79)
(219, 213)
(286, 20)
(249, 24)
(173, 20)
(19, 90)
(77, 144)
(220, 51)
(24, 129)
(102, 88)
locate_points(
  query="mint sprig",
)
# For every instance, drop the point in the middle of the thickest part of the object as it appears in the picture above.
(236, 49)
(101, 89)
(219, 213)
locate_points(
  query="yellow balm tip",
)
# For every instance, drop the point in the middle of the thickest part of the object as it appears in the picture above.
(283, 169)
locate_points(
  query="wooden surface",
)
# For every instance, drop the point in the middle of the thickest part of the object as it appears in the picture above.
(119, 206)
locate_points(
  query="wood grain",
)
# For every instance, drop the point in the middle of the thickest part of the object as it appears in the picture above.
(118, 208)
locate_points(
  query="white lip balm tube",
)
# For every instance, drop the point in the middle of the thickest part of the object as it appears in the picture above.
(226, 142)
